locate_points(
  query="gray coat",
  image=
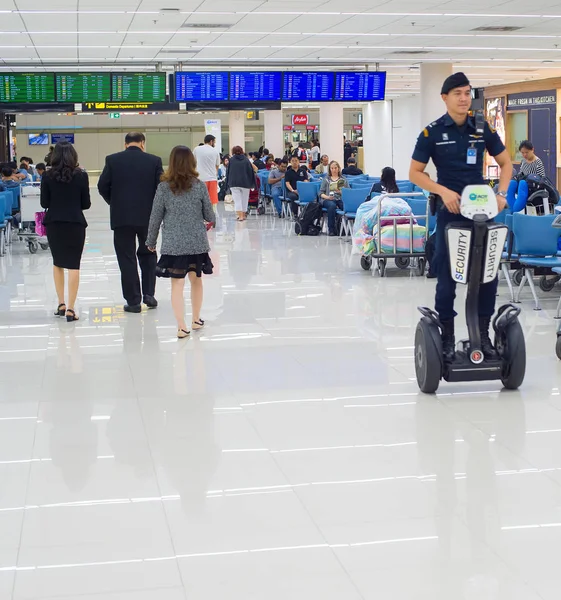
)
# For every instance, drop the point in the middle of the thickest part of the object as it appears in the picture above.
(183, 216)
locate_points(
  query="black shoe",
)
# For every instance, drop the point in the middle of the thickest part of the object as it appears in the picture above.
(150, 301)
(448, 341)
(487, 347)
(134, 308)
(431, 275)
(332, 234)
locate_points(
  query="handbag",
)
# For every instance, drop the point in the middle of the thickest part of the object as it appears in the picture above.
(40, 228)
(228, 199)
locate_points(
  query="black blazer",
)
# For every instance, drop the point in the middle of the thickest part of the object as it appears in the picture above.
(66, 201)
(128, 184)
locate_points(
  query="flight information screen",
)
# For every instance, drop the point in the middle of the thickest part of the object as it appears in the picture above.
(197, 87)
(138, 87)
(308, 86)
(83, 87)
(365, 86)
(260, 86)
(27, 87)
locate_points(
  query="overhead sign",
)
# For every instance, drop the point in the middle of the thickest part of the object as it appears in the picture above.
(62, 137)
(530, 99)
(114, 115)
(312, 127)
(214, 127)
(287, 128)
(252, 115)
(109, 106)
(299, 119)
(357, 127)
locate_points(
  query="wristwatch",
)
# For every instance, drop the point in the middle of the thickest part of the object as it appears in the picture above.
(503, 194)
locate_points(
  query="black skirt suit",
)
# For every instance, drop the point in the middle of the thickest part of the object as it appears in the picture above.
(65, 221)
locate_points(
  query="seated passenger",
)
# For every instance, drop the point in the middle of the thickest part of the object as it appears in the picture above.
(270, 162)
(295, 173)
(276, 175)
(9, 178)
(387, 183)
(352, 169)
(221, 169)
(40, 169)
(330, 193)
(323, 166)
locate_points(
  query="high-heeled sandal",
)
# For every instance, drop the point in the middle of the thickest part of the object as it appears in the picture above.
(59, 312)
(198, 325)
(72, 317)
(182, 334)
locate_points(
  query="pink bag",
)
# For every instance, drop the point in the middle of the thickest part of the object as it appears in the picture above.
(40, 229)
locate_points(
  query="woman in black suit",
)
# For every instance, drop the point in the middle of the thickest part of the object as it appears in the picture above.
(65, 193)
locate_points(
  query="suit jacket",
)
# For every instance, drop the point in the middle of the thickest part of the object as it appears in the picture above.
(128, 184)
(65, 202)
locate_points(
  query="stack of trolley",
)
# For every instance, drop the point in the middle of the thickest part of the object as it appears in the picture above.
(29, 205)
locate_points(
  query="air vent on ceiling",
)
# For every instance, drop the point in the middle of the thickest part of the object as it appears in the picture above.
(169, 11)
(206, 26)
(411, 52)
(498, 28)
(522, 70)
(178, 51)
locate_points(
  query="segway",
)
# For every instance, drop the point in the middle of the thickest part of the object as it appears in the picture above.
(475, 254)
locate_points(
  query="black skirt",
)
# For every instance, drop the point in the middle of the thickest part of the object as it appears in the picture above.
(66, 241)
(177, 267)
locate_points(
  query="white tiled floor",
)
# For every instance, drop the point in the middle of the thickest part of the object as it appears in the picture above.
(284, 453)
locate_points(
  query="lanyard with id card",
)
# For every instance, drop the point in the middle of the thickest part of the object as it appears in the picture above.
(471, 156)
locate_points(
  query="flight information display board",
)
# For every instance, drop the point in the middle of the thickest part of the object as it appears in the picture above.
(362, 86)
(138, 87)
(260, 86)
(201, 86)
(27, 87)
(83, 87)
(308, 86)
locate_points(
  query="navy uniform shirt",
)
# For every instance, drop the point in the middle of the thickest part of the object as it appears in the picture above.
(447, 144)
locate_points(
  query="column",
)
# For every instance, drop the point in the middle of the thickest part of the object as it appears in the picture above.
(236, 127)
(377, 134)
(331, 130)
(432, 78)
(274, 135)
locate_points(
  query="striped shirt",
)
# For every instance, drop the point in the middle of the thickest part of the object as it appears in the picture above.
(532, 168)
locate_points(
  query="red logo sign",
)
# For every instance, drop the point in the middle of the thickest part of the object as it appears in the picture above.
(357, 127)
(287, 128)
(299, 119)
(312, 127)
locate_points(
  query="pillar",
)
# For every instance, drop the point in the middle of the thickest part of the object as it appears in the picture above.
(273, 132)
(237, 129)
(377, 135)
(432, 78)
(331, 130)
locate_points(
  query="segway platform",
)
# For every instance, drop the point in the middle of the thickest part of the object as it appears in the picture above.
(475, 253)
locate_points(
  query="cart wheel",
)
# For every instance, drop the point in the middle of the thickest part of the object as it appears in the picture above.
(366, 262)
(558, 347)
(421, 266)
(261, 210)
(517, 277)
(381, 267)
(546, 285)
(33, 247)
(402, 262)
(44, 246)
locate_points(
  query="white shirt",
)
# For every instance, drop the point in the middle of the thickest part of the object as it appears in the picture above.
(208, 158)
(315, 153)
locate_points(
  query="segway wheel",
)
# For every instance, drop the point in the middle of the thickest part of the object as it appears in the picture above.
(517, 277)
(546, 285)
(381, 267)
(366, 262)
(511, 347)
(421, 267)
(402, 262)
(558, 347)
(427, 361)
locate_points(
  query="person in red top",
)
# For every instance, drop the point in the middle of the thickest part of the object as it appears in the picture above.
(270, 163)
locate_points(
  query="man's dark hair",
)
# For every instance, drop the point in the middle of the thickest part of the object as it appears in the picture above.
(135, 138)
(6, 172)
(41, 167)
(265, 150)
(526, 144)
(351, 161)
(209, 138)
(284, 162)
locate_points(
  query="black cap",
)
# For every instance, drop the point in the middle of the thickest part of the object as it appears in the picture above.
(454, 81)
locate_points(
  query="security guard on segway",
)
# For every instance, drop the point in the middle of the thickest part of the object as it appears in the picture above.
(456, 142)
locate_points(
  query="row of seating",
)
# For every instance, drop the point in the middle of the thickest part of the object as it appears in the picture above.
(9, 205)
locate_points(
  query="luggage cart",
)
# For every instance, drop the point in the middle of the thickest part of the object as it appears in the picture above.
(30, 204)
(403, 259)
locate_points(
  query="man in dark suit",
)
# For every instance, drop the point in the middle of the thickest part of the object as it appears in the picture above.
(128, 184)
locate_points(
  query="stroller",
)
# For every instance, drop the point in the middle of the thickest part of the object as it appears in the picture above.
(256, 201)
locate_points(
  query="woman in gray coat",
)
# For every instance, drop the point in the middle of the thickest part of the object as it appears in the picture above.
(240, 178)
(183, 204)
